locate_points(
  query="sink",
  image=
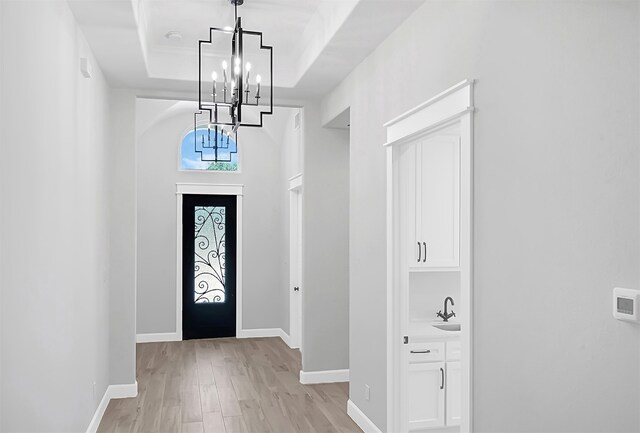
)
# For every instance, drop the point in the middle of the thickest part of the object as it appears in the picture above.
(444, 326)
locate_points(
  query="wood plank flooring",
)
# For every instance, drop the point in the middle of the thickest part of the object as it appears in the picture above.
(226, 386)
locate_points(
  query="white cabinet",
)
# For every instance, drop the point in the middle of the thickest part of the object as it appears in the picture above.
(429, 256)
(426, 395)
(454, 393)
(436, 216)
(433, 386)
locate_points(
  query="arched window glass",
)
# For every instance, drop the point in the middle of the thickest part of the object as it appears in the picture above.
(196, 156)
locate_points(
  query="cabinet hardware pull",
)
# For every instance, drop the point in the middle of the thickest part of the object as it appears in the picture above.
(419, 253)
(421, 351)
(442, 373)
(425, 252)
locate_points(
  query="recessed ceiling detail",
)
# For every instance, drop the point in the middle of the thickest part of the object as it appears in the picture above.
(318, 42)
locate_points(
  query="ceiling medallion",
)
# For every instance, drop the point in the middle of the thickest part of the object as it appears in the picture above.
(228, 95)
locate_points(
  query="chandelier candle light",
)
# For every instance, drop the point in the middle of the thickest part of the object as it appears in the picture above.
(216, 112)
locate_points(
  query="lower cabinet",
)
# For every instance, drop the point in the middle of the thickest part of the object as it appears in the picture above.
(433, 386)
(426, 396)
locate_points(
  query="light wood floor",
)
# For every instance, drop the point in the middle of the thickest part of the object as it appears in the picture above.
(226, 385)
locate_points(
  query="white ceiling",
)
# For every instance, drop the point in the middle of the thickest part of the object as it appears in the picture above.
(317, 43)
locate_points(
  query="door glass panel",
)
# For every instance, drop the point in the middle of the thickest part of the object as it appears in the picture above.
(209, 260)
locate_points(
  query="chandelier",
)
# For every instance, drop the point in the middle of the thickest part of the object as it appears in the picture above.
(228, 95)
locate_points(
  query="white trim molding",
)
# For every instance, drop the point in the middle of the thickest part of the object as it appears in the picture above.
(286, 338)
(324, 376)
(112, 392)
(208, 189)
(295, 183)
(157, 338)
(361, 419)
(259, 333)
(266, 333)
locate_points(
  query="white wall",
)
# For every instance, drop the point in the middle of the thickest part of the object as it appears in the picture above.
(2, 206)
(54, 258)
(556, 203)
(325, 286)
(122, 193)
(161, 127)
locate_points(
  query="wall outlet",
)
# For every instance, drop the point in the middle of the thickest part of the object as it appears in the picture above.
(367, 392)
(94, 393)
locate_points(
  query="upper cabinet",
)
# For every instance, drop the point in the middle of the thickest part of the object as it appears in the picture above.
(435, 218)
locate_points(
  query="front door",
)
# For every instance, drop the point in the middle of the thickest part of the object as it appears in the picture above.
(209, 266)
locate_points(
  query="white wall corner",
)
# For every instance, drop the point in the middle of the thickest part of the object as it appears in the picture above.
(324, 376)
(361, 419)
(157, 338)
(112, 392)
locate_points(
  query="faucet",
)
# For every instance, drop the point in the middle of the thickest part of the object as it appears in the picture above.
(446, 316)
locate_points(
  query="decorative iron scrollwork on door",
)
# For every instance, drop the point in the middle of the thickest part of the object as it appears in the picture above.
(209, 261)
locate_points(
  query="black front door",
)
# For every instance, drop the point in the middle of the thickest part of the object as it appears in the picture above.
(209, 266)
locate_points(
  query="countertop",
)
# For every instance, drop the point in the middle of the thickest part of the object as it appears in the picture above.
(423, 329)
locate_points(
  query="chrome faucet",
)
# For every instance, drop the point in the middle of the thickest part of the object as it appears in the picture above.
(446, 316)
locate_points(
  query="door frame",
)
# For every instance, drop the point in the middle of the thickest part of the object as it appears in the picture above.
(295, 199)
(454, 106)
(208, 189)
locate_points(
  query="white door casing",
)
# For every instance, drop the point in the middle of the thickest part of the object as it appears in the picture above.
(295, 262)
(208, 189)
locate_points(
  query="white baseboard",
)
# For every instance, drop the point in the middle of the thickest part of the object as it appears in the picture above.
(257, 333)
(244, 333)
(286, 338)
(128, 390)
(361, 419)
(112, 392)
(325, 376)
(157, 338)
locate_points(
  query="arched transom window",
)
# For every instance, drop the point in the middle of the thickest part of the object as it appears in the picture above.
(198, 153)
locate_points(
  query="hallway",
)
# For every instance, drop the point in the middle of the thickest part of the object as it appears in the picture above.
(226, 385)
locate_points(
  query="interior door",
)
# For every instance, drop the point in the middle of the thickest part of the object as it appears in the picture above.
(209, 266)
(295, 263)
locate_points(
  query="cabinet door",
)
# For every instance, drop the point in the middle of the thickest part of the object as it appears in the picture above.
(454, 393)
(425, 399)
(438, 201)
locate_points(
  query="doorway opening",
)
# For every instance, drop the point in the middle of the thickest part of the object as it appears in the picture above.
(208, 266)
(209, 277)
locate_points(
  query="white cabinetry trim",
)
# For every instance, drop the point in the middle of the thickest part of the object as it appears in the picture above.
(454, 106)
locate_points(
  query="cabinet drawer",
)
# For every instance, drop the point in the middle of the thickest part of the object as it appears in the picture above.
(426, 352)
(453, 350)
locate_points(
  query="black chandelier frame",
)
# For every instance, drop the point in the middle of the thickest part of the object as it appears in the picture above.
(238, 92)
(236, 103)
